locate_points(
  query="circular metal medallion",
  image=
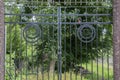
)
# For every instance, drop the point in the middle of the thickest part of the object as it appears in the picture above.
(32, 33)
(86, 33)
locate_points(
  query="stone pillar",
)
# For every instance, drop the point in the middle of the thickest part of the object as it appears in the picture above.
(116, 38)
(2, 41)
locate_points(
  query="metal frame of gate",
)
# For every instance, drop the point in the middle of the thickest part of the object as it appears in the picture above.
(83, 21)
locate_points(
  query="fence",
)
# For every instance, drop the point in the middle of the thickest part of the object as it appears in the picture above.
(72, 41)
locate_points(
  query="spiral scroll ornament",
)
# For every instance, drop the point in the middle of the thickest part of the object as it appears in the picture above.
(32, 33)
(86, 33)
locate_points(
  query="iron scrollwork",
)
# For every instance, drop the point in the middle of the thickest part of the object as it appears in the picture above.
(86, 33)
(32, 33)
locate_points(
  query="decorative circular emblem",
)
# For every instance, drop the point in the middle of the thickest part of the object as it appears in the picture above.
(86, 33)
(32, 33)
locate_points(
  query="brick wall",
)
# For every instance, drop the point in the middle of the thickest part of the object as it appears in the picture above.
(2, 40)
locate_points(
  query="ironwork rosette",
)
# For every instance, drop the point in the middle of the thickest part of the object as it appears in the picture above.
(32, 33)
(86, 33)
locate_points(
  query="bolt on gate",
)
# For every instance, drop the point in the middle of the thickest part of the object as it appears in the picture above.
(58, 40)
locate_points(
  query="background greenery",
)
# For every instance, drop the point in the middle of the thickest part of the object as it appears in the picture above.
(23, 58)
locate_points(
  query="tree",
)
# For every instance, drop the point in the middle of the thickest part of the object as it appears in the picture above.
(46, 48)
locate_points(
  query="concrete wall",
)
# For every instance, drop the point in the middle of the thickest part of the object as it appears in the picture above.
(116, 38)
(2, 40)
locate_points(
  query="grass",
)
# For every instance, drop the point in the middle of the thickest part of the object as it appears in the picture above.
(100, 71)
(97, 73)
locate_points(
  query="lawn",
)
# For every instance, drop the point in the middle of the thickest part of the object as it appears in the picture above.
(98, 72)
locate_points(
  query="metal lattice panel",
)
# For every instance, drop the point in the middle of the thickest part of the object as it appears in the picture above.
(58, 39)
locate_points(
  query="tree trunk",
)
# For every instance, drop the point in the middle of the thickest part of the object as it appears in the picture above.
(52, 66)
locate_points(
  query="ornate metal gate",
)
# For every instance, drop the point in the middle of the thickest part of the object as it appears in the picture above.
(58, 40)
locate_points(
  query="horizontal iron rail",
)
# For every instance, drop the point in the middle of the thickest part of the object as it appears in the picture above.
(52, 6)
(30, 14)
(87, 23)
(57, 23)
(87, 14)
(56, 14)
(58, 1)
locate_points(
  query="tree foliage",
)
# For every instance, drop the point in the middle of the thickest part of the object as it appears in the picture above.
(74, 51)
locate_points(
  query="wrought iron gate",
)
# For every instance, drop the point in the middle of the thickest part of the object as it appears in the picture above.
(58, 40)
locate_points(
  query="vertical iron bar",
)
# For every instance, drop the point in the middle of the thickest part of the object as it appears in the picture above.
(102, 55)
(21, 50)
(42, 39)
(37, 66)
(37, 52)
(97, 54)
(108, 68)
(10, 48)
(53, 33)
(81, 58)
(26, 60)
(48, 54)
(65, 45)
(42, 66)
(65, 50)
(53, 74)
(70, 52)
(97, 40)
(92, 61)
(76, 52)
(15, 52)
(21, 45)
(86, 17)
(59, 45)
(32, 65)
(91, 58)
(106, 51)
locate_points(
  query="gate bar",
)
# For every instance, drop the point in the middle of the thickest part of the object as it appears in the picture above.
(116, 38)
(2, 41)
(56, 15)
(59, 45)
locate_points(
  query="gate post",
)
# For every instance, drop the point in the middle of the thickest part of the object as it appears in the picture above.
(116, 38)
(2, 41)
(59, 45)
